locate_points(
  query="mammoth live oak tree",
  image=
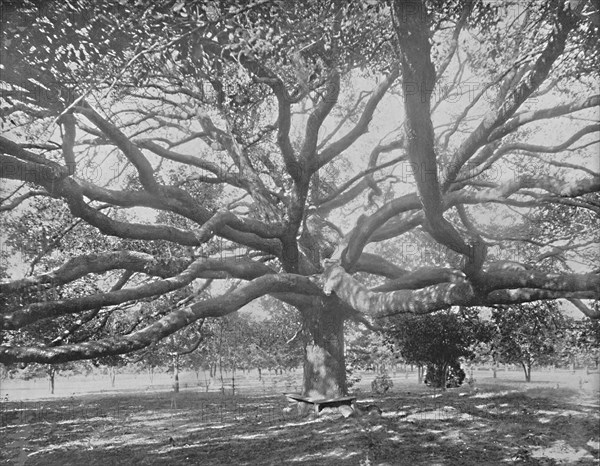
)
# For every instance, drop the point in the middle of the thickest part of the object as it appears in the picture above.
(291, 150)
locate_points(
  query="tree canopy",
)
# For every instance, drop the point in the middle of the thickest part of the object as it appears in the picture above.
(441, 338)
(308, 151)
(527, 334)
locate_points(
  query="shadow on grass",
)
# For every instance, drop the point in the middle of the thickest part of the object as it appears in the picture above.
(478, 428)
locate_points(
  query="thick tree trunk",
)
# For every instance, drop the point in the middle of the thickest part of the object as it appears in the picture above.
(324, 360)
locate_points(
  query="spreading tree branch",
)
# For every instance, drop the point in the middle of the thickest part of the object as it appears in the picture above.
(169, 324)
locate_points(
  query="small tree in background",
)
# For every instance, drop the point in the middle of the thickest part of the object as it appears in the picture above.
(278, 340)
(587, 333)
(366, 350)
(579, 344)
(50, 371)
(112, 365)
(528, 334)
(439, 341)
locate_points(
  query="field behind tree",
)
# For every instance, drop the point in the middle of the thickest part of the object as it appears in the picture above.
(249, 382)
(552, 420)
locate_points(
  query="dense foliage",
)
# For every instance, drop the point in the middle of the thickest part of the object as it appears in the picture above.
(440, 342)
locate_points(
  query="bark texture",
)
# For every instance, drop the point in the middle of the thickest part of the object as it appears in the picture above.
(324, 365)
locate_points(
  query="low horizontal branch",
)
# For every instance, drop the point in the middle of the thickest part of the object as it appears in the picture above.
(201, 268)
(174, 321)
(516, 279)
(80, 266)
(421, 301)
(421, 278)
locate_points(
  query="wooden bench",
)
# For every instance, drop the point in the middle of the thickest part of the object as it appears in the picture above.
(320, 403)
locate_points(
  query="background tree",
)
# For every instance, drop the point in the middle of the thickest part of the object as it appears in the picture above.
(580, 344)
(527, 334)
(266, 142)
(439, 341)
(588, 341)
(366, 351)
(276, 339)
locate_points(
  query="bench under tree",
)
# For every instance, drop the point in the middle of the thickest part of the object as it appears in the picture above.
(321, 403)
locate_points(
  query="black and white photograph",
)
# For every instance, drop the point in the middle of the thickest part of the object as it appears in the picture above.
(300, 232)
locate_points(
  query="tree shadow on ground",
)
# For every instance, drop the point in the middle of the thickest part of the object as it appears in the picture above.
(542, 427)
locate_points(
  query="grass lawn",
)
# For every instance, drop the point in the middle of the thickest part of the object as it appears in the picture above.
(502, 421)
